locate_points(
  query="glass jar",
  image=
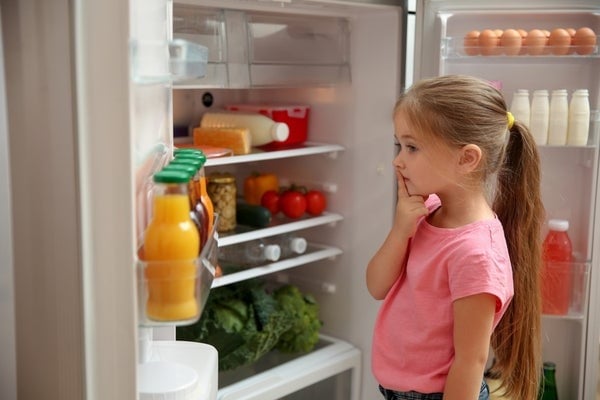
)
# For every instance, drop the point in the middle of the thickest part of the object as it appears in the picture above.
(222, 192)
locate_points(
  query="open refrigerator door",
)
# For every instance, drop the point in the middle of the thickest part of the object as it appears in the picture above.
(569, 172)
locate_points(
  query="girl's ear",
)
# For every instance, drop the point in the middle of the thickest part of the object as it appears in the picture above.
(470, 156)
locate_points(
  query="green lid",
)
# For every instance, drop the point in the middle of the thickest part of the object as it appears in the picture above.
(187, 150)
(195, 162)
(200, 156)
(171, 176)
(189, 168)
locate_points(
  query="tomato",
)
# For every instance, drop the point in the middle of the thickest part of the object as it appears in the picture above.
(270, 200)
(315, 202)
(292, 203)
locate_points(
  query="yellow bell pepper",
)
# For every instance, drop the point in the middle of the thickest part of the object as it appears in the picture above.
(257, 184)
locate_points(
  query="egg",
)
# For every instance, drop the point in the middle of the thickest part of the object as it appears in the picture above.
(559, 42)
(523, 34)
(488, 42)
(510, 41)
(571, 33)
(535, 42)
(471, 43)
(584, 41)
(498, 32)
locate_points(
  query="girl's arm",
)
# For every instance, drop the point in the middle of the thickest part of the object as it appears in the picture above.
(388, 263)
(473, 321)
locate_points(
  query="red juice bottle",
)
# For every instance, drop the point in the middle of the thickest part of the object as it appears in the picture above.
(556, 270)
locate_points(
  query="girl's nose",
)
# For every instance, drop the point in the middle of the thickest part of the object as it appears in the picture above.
(397, 161)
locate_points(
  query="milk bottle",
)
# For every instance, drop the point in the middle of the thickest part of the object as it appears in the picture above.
(559, 118)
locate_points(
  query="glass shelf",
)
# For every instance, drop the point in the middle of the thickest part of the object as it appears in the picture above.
(277, 226)
(306, 149)
(314, 252)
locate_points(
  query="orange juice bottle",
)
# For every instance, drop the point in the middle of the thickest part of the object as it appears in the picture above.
(171, 245)
(198, 158)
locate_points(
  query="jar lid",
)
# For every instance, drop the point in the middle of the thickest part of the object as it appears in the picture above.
(187, 161)
(560, 225)
(193, 154)
(171, 176)
(221, 177)
(189, 168)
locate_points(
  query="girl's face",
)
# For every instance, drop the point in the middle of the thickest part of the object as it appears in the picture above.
(425, 165)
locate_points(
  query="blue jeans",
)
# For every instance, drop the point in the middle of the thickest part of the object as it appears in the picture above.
(484, 394)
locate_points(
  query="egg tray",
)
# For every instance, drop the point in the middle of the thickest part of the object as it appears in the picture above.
(453, 47)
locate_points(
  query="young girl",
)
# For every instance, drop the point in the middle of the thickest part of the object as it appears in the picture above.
(459, 269)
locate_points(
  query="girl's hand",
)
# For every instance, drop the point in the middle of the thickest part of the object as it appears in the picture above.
(409, 209)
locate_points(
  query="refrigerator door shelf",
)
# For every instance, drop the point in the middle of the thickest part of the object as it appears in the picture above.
(306, 149)
(149, 65)
(454, 48)
(315, 252)
(197, 359)
(260, 381)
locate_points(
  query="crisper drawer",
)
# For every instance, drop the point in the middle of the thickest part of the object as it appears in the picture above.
(331, 371)
(251, 49)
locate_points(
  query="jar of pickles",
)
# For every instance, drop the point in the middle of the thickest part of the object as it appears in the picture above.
(222, 192)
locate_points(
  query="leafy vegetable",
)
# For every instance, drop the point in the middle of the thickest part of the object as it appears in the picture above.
(304, 333)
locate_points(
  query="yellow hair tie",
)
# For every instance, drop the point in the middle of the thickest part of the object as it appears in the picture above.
(511, 119)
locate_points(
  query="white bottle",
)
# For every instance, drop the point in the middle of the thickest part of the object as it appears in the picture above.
(579, 118)
(540, 116)
(249, 254)
(262, 129)
(559, 118)
(520, 107)
(290, 244)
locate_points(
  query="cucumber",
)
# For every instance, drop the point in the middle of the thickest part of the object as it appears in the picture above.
(251, 215)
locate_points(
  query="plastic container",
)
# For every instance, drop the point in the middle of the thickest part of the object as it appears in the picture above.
(171, 247)
(290, 244)
(262, 129)
(540, 116)
(559, 118)
(520, 106)
(557, 257)
(295, 116)
(250, 254)
(579, 118)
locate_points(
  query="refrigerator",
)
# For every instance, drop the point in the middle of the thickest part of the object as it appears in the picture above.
(93, 91)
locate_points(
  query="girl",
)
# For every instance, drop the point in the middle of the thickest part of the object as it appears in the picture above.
(459, 269)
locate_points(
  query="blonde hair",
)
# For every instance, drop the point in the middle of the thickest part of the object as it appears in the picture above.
(461, 110)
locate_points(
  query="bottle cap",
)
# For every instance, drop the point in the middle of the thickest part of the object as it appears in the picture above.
(194, 154)
(560, 225)
(189, 168)
(298, 245)
(272, 252)
(196, 162)
(280, 131)
(171, 176)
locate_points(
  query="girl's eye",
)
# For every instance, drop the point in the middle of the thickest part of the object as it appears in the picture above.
(411, 148)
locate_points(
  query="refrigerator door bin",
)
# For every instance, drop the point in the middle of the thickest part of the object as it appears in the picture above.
(164, 285)
(248, 49)
(277, 375)
(564, 290)
(150, 65)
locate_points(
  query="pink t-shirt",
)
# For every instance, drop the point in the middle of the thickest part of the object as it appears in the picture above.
(413, 340)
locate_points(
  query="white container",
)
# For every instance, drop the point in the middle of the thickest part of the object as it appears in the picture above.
(262, 129)
(540, 116)
(520, 107)
(579, 118)
(559, 118)
(250, 254)
(290, 244)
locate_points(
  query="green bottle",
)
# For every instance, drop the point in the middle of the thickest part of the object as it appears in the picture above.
(548, 384)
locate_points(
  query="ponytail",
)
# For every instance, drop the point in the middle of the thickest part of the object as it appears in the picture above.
(517, 339)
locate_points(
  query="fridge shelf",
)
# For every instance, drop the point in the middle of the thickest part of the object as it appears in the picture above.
(278, 226)
(277, 375)
(314, 252)
(306, 149)
(453, 48)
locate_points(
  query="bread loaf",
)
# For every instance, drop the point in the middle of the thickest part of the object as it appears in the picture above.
(236, 139)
